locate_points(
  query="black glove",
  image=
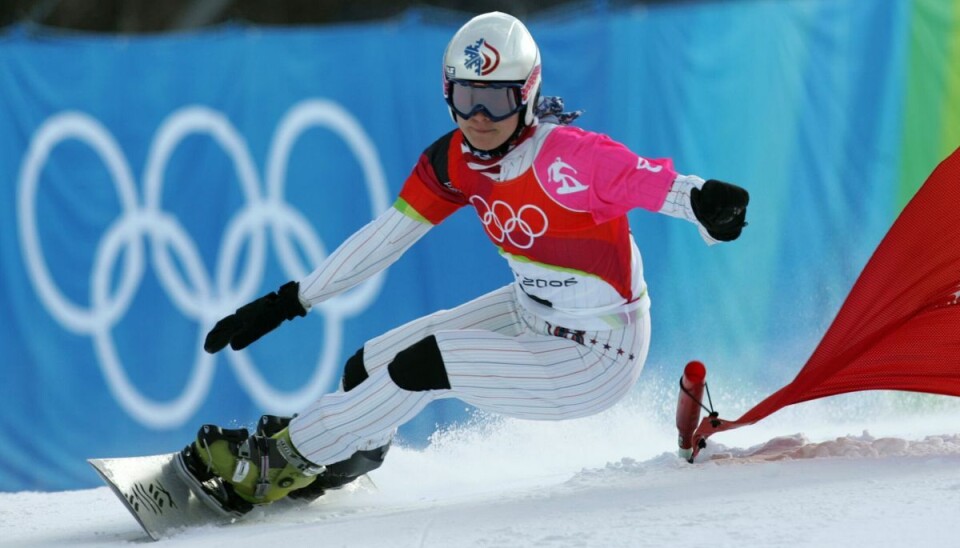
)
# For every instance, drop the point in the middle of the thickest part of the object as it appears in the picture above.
(721, 208)
(256, 319)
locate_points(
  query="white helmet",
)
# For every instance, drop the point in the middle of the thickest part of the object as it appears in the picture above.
(493, 51)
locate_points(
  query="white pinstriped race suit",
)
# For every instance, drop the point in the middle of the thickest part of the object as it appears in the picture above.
(567, 339)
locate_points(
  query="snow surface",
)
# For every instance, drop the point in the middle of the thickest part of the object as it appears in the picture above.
(878, 476)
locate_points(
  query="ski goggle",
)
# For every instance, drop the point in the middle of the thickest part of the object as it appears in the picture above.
(496, 100)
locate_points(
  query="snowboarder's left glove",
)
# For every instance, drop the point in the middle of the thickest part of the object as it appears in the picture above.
(256, 319)
(721, 208)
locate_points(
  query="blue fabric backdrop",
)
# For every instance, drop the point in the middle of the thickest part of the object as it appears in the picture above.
(151, 183)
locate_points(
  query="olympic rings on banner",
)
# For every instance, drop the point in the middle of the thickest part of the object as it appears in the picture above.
(195, 293)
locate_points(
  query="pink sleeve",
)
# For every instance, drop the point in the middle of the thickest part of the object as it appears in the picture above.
(612, 178)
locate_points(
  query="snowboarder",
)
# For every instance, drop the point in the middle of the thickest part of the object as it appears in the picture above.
(568, 338)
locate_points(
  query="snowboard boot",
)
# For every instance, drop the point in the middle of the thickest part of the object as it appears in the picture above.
(240, 470)
(335, 475)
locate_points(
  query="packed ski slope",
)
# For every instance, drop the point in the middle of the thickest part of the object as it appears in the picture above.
(849, 471)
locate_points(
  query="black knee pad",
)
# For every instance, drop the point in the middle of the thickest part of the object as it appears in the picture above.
(420, 367)
(354, 371)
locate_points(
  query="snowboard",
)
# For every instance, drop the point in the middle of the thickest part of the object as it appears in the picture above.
(166, 499)
(156, 494)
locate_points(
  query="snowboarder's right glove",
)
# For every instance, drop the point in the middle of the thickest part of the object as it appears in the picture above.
(256, 319)
(721, 208)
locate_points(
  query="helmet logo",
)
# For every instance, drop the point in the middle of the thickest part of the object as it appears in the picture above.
(531, 84)
(482, 57)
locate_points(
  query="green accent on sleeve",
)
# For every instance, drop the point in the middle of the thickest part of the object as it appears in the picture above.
(402, 206)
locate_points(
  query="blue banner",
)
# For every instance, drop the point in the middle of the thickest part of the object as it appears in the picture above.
(155, 183)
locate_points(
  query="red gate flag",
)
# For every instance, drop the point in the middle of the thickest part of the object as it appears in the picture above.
(899, 328)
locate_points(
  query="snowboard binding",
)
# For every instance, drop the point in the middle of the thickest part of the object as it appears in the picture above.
(234, 472)
(207, 486)
(221, 496)
(337, 474)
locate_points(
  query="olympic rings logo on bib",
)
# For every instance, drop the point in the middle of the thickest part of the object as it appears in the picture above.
(521, 228)
(200, 297)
